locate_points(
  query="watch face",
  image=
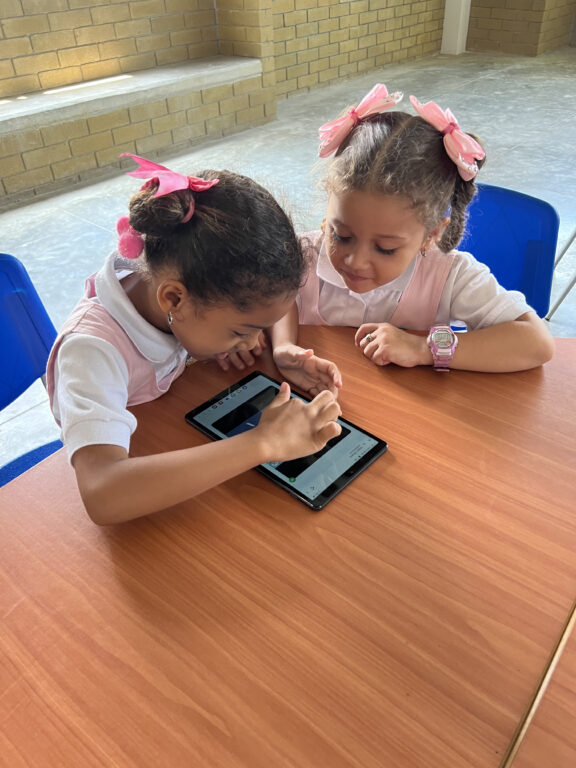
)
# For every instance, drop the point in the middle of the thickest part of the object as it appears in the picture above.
(443, 339)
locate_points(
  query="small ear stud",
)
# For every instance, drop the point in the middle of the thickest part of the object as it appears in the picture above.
(170, 319)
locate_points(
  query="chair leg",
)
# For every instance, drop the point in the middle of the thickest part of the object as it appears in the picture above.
(563, 251)
(565, 293)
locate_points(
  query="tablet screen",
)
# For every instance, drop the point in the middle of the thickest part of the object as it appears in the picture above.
(314, 479)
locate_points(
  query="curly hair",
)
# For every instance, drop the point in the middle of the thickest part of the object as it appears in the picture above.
(395, 153)
(238, 248)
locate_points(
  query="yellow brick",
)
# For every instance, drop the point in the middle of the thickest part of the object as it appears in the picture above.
(27, 65)
(110, 156)
(251, 115)
(306, 56)
(108, 14)
(296, 18)
(168, 122)
(53, 41)
(67, 168)
(162, 24)
(134, 28)
(100, 69)
(14, 8)
(199, 114)
(294, 46)
(189, 132)
(91, 143)
(261, 97)
(175, 6)
(27, 180)
(217, 125)
(95, 34)
(248, 85)
(109, 121)
(172, 55)
(6, 69)
(146, 8)
(64, 131)
(70, 19)
(198, 19)
(156, 141)
(152, 42)
(210, 95)
(25, 25)
(308, 81)
(117, 49)
(12, 165)
(145, 111)
(140, 61)
(77, 56)
(16, 86)
(184, 101)
(235, 104)
(57, 78)
(185, 37)
(132, 132)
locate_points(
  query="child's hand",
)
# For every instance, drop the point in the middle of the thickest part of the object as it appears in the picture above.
(384, 343)
(240, 358)
(291, 428)
(310, 373)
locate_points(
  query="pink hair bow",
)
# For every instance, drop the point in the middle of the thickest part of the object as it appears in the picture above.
(332, 134)
(168, 181)
(462, 149)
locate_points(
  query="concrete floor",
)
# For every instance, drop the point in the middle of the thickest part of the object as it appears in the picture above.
(522, 108)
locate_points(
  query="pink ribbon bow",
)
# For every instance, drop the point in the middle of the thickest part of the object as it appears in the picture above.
(462, 149)
(332, 134)
(168, 181)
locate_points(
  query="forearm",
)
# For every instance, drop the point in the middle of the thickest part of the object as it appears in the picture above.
(285, 331)
(125, 488)
(512, 346)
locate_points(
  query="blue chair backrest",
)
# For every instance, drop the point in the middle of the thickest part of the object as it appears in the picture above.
(26, 331)
(516, 236)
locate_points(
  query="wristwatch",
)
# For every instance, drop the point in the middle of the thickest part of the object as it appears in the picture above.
(442, 342)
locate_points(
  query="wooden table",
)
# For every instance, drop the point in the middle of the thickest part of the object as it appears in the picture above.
(407, 625)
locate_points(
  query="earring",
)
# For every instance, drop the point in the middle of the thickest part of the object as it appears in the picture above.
(422, 252)
(170, 319)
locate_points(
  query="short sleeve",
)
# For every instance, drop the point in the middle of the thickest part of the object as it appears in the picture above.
(473, 295)
(91, 393)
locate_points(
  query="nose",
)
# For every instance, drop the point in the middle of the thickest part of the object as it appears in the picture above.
(357, 256)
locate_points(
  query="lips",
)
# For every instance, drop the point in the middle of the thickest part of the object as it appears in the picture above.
(353, 277)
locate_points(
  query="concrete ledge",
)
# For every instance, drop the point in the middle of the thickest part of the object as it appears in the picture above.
(73, 135)
(97, 97)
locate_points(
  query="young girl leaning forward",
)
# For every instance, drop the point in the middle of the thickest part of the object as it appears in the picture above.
(204, 265)
(385, 260)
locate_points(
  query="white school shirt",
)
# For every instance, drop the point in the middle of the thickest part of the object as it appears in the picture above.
(471, 295)
(91, 376)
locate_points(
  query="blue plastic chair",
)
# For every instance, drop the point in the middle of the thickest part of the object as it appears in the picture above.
(516, 236)
(27, 335)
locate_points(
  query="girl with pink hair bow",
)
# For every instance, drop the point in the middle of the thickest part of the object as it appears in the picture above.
(386, 258)
(204, 264)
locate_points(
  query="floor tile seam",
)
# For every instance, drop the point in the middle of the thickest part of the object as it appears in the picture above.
(39, 404)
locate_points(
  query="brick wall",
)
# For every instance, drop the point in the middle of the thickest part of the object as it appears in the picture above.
(558, 22)
(245, 28)
(319, 41)
(525, 27)
(50, 43)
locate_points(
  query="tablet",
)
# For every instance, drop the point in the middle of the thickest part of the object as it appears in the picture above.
(314, 479)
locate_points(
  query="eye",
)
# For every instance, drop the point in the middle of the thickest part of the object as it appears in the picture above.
(239, 335)
(339, 238)
(386, 251)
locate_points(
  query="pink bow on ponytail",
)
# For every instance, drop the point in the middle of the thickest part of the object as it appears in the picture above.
(131, 242)
(332, 134)
(462, 149)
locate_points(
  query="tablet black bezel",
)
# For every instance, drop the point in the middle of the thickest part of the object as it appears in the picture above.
(334, 489)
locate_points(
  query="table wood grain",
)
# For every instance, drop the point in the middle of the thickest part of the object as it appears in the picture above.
(405, 625)
(549, 738)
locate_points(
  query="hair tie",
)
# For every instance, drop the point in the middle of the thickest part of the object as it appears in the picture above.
(332, 134)
(461, 148)
(130, 242)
